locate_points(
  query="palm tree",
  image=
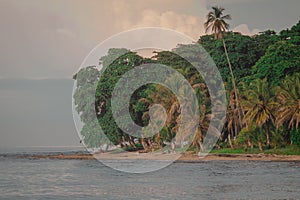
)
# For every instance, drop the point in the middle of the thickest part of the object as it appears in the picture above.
(217, 24)
(233, 123)
(201, 129)
(288, 97)
(259, 105)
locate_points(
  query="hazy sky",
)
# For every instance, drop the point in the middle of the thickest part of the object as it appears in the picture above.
(43, 42)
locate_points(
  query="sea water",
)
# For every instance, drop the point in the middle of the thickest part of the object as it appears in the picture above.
(89, 179)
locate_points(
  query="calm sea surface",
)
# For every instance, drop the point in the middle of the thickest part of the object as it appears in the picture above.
(86, 179)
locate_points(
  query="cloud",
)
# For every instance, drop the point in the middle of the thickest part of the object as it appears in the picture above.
(134, 16)
(188, 24)
(44, 39)
(244, 29)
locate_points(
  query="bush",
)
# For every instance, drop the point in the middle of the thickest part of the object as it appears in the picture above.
(295, 137)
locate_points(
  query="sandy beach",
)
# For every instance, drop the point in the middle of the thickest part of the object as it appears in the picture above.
(179, 157)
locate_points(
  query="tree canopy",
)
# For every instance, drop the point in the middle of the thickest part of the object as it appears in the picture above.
(266, 68)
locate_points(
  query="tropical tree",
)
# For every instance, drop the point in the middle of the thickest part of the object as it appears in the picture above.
(86, 83)
(115, 64)
(242, 50)
(216, 22)
(291, 35)
(232, 120)
(280, 59)
(258, 104)
(263, 40)
(251, 135)
(201, 130)
(288, 96)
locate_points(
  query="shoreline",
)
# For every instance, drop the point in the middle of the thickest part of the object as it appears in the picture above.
(184, 157)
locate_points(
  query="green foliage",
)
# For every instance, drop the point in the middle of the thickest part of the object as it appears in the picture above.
(242, 51)
(258, 103)
(91, 135)
(166, 134)
(273, 58)
(263, 40)
(86, 81)
(281, 59)
(295, 136)
(113, 69)
(112, 55)
(288, 97)
(252, 134)
(288, 150)
(178, 63)
(291, 35)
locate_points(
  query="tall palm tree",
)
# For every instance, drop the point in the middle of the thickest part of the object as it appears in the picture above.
(259, 106)
(288, 97)
(233, 123)
(216, 22)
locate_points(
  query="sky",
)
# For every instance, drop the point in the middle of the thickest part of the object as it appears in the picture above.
(43, 43)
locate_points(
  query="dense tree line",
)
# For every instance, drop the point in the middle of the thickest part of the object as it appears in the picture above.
(265, 68)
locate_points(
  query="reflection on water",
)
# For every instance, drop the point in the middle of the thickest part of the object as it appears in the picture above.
(89, 179)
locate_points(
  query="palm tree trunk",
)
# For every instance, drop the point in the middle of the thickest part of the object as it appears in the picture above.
(233, 81)
(250, 144)
(201, 146)
(144, 144)
(124, 141)
(260, 147)
(268, 136)
(150, 144)
(131, 141)
(229, 140)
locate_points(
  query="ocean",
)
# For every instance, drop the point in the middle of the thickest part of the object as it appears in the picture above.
(89, 179)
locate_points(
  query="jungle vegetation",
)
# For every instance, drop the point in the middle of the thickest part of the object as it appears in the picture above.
(261, 74)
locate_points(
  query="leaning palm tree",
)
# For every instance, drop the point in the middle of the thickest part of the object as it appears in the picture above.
(217, 24)
(259, 106)
(288, 97)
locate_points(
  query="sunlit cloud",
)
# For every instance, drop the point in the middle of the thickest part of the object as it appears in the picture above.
(244, 29)
(191, 25)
